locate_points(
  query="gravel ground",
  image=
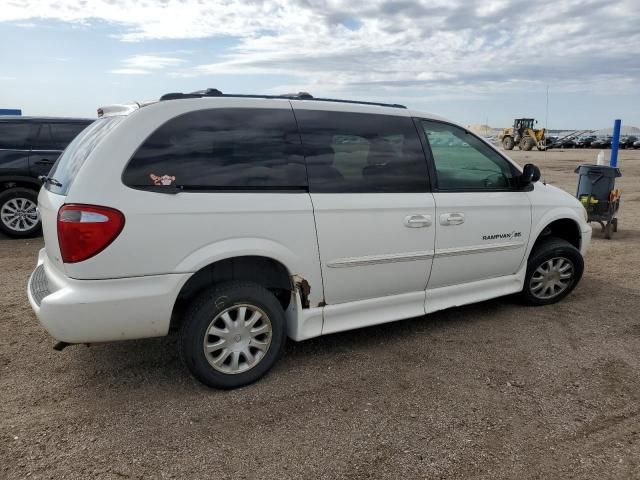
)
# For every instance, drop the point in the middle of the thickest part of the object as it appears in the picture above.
(492, 390)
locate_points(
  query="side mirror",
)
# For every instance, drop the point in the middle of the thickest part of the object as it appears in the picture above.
(530, 174)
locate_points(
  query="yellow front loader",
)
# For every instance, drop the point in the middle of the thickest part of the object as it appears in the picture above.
(524, 135)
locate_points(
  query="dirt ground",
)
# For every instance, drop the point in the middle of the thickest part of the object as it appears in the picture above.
(492, 390)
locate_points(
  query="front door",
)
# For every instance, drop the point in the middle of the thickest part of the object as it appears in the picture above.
(374, 214)
(483, 219)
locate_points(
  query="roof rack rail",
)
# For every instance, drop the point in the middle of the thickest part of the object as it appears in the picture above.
(209, 92)
(360, 102)
(297, 96)
(214, 92)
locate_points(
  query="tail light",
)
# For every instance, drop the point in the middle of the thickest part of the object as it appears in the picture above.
(86, 230)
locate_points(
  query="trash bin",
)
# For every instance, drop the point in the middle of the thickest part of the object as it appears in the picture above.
(597, 180)
(597, 192)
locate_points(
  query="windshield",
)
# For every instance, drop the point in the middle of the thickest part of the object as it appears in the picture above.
(74, 156)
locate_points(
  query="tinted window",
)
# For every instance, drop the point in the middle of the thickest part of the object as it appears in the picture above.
(14, 135)
(64, 133)
(237, 148)
(464, 162)
(74, 156)
(359, 152)
(43, 140)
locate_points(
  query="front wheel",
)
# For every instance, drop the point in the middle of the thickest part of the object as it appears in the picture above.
(527, 144)
(232, 334)
(554, 269)
(18, 213)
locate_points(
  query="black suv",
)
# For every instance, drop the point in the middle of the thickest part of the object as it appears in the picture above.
(29, 146)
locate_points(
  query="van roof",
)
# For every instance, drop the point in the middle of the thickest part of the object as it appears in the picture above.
(213, 93)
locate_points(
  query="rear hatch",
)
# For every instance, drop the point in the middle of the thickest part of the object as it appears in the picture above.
(62, 175)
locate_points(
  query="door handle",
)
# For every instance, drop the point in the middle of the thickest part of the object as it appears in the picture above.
(45, 161)
(452, 219)
(417, 221)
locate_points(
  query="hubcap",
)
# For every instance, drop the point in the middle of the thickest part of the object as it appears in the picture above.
(19, 214)
(237, 339)
(551, 278)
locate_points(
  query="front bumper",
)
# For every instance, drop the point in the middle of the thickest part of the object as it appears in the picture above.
(86, 311)
(585, 240)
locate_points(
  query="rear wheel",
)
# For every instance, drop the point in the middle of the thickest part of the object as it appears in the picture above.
(232, 334)
(508, 143)
(18, 213)
(554, 269)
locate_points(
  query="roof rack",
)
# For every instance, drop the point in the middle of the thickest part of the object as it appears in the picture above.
(214, 92)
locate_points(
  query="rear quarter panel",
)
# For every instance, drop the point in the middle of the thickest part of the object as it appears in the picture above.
(183, 232)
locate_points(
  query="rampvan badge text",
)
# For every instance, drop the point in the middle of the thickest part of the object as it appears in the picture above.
(496, 236)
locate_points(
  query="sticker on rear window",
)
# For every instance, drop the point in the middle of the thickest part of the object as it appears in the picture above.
(162, 179)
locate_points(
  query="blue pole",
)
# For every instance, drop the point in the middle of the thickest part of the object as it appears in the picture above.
(615, 142)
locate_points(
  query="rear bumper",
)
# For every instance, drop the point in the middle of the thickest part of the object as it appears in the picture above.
(85, 311)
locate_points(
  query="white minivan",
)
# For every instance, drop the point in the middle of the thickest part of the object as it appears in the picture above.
(242, 220)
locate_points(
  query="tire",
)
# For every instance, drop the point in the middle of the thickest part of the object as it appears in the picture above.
(527, 144)
(217, 310)
(552, 250)
(508, 143)
(18, 215)
(608, 230)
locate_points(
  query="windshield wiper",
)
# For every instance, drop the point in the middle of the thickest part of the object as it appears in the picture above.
(44, 179)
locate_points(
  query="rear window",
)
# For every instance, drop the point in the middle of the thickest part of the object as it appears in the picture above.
(222, 149)
(14, 135)
(74, 156)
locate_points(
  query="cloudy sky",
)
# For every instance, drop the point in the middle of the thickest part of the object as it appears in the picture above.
(471, 61)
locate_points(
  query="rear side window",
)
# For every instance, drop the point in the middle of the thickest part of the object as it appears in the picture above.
(74, 156)
(63, 133)
(14, 135)
(234, 149)
(360, 153)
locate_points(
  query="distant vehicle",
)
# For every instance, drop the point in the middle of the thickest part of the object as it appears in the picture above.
(585, 142)
(636, 144)
(627, 141)
(524, 135)
(560, 142)
(602, 142)
(566, 143)
(29, 146)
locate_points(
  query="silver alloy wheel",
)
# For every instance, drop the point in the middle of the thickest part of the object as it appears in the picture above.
(237, 339)
(551, 278)
(19, 214)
